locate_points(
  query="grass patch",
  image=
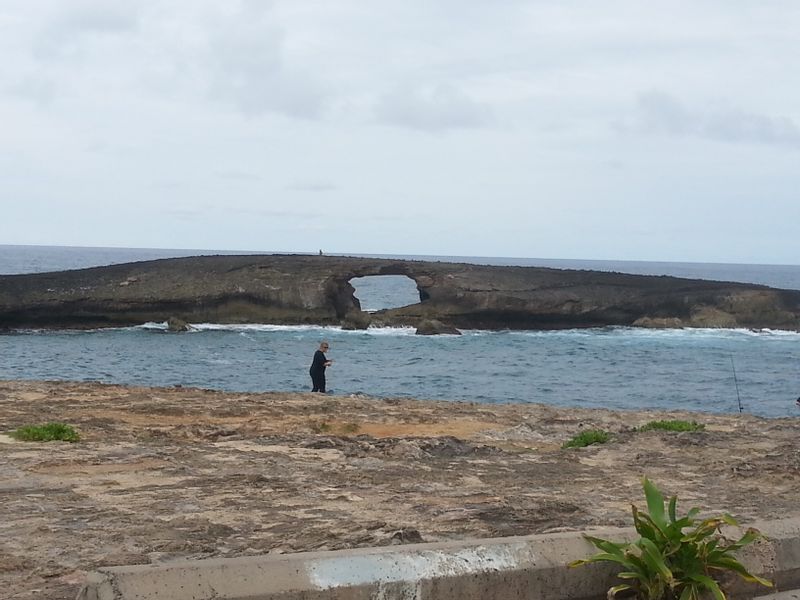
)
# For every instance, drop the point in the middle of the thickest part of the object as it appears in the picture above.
(676, 425)
(49, 432)
(587, 438)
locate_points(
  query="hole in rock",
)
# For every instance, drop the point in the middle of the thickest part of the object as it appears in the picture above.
(378, 292)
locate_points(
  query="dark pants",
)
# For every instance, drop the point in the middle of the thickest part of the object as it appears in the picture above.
(318, 381)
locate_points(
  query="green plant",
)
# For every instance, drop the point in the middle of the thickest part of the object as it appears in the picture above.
(666, 563)
(587, 438)
(676, 425)
(48, 432)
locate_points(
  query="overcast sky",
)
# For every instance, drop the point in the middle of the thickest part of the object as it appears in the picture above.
(614, 130)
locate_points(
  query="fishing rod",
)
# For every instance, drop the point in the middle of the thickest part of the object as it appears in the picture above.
(736, 381)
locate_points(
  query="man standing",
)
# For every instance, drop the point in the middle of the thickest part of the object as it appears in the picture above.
(317, 370)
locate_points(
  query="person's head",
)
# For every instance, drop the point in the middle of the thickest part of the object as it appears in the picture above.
(323, 345)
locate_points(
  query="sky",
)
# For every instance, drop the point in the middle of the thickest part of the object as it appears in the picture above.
(617, 130)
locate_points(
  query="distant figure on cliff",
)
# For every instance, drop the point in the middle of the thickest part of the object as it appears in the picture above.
(317, 370)
(320, 252)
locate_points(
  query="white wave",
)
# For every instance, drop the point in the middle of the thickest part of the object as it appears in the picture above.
(389, 331)
(613, 331)
(703, 332)
(245, 328)
(640, 332)
(250, 327)
(780, 332)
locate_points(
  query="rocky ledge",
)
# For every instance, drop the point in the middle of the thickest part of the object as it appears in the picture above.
(164, 474)
(292, 289)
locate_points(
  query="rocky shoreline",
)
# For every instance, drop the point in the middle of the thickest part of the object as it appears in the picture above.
(316, 290)
(167, 473)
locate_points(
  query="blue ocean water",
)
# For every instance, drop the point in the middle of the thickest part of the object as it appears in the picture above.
(606, 367)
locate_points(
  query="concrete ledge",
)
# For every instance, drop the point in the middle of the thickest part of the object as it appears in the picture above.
(531, 567)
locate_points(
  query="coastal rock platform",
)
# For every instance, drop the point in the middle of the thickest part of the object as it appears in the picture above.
(168, 473)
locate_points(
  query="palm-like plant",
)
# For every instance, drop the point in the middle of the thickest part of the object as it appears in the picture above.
(666, 563)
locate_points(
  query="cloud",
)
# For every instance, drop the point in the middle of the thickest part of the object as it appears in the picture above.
(40, 89)
(166, 184)
(248, 67)
(437, 109)
(232, 53)
(272, 213)
(737, 126)
(658, 112)
(65, 30)
(235, 175)
(183, 213)
(312, 186)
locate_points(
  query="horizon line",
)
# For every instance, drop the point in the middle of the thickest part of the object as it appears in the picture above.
(391, 255)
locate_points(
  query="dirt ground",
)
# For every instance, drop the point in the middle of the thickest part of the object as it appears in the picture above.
(165, 473)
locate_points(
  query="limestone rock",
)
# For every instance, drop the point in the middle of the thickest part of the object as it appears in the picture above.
(356, 320)
(659, 323)
(435, 327)
(709, 316)
(177, 325)
(314, 290)
(407, 535)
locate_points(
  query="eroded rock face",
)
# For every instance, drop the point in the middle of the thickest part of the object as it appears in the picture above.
(291, 289)
(711, 316)
(659, 323)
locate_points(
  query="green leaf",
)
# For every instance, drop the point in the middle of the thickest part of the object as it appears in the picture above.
(655, 560)
(618, 588)
(606, 545)
(748, 538)
(687, 593)
(729, 520)
(728, 563)
(601, 557)
(710, 585)
(688, 520)
(673, 503)
(655, 502)
(644, 525)
(653, 530)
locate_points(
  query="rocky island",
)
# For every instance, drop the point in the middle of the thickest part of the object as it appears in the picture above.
(295, 289)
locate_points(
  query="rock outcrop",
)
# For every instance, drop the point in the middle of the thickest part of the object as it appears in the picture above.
(356, 321)
(292, 289)
(435, 327)
(176, 325)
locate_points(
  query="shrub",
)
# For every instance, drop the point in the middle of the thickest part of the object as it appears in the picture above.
(587, 438)
(666, 563)
(676, 425)
(48, 432)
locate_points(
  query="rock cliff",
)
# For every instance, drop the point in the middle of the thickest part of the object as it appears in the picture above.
(293, 289)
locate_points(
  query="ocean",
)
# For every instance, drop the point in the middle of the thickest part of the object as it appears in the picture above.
(712, 370)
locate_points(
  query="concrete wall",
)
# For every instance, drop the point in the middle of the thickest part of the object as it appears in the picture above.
(531, 567)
